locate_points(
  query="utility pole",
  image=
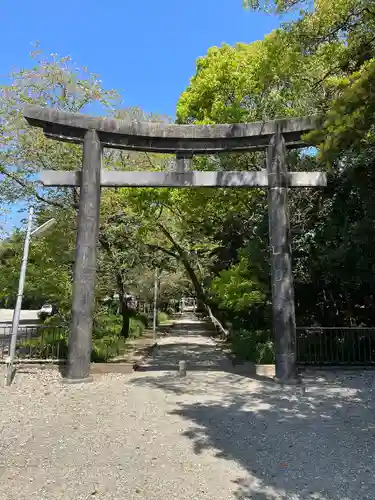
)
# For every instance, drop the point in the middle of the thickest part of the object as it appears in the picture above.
(21, 285)
(17, 309)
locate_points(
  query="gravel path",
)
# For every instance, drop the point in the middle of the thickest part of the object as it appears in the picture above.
(213, 435)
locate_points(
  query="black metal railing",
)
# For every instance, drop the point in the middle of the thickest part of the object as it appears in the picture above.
(344, 346)
(43, 342)
(316, 346)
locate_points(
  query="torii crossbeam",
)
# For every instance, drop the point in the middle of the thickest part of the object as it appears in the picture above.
(184, 141)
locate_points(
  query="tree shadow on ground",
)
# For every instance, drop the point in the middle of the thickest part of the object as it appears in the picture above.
(192, 329)
(288, 445)
(197, 356)
(317, 446)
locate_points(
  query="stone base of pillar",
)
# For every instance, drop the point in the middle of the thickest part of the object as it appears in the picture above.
(69, 381)
(292, 385)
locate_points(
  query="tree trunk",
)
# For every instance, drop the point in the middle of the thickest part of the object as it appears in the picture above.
(126, 314)
(200, 293)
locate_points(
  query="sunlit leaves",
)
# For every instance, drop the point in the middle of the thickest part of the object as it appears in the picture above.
(24, 151)
(339, 34)
(236, 288)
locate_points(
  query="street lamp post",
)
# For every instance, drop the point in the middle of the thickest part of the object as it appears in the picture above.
(21, 285)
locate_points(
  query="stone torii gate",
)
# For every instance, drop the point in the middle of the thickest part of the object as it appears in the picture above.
(184, 141)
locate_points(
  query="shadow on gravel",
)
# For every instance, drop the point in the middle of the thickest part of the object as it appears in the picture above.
(317, 446)
(192, 329)
(197, 356)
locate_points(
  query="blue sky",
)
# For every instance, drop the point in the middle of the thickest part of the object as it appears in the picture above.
(146, 50)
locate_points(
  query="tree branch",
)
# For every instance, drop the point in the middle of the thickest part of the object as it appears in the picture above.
(26, 186)
(165, 250)
(345, 24)
(40, 158)
(75, 198)
(119, 280)
(149, 160)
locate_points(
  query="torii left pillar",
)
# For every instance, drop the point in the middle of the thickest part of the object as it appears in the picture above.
(80, 336)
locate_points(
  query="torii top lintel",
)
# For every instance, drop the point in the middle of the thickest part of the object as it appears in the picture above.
(168, 138)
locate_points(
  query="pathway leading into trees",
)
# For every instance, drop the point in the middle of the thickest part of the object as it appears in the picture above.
(212, 435)
(187, 339)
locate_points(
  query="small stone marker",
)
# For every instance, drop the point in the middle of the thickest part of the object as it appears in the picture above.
(182, 368)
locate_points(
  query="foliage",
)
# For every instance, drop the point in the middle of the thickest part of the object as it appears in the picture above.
(319, 62)
(249, 82)
(162, 317)
(52, 81)
(50, 341)
(107, 347)
(342, 33)
(349, 123)
(107, 341)
(235, 288)
(278, 6)
(123, 258)
(215, 246)
(50, 266)
(253, 345)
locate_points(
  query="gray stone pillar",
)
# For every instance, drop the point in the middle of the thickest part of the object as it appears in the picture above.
(283, 313)
(80, 337)
(183, 162)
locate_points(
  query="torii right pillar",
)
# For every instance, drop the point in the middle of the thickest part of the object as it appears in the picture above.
(283, 310)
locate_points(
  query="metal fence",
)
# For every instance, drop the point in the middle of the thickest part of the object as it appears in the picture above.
(41, 342)
(344, 346)
(316, 346)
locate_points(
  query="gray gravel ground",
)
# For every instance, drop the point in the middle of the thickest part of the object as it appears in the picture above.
(214, 435)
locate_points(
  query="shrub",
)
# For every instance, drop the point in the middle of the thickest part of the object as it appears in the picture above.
(52, 342)
(107, 347)
(256, 346)
(106, 324)
(237, 289)
(107, 341)
(137, 326)
(162, 317)
(142, 318)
